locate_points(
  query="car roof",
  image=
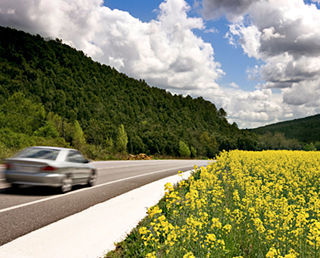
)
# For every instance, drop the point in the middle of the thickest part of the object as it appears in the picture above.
(51, 147)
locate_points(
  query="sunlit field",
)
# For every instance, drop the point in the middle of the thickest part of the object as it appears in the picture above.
(247, 204)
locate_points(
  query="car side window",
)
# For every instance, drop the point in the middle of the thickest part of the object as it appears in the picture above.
(75, 157)
(38, 153)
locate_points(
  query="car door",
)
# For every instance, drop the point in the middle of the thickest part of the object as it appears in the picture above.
(81, 167)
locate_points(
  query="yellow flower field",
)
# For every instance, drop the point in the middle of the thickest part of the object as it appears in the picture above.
(247, 204)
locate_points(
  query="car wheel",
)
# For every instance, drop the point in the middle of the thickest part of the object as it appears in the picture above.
(14, 187)
(66, 186)
(92, 179)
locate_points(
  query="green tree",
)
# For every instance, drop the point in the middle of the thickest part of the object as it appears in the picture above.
(21, 114)
(309, 147)
(78, 141)
(317, 145)
(109, 145)
(57, 122)
(122, 140)
(222, 113)
(210, 144)
(48, 130)
(279, 140)
(184, 149)
(193, 152)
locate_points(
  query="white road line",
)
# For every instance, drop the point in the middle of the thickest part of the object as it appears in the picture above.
(132, 166)
(84, 189)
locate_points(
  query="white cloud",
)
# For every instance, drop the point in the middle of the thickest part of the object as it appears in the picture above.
(233, 9)
(212, 30)
(73, 21)
(310, 98)
(234, 85)
(269, 33)
(252, 109)
(253, 73)
(248, 38)
(284, 35)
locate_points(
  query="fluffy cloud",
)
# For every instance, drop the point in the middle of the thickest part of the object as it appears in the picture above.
(73, 21)
(285, 36)
(233, 9)
(252, 109)
(234, 85)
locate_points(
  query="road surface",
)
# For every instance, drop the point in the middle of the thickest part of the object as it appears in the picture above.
(30, 208)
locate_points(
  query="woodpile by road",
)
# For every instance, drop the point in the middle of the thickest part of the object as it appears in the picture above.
(140, 156)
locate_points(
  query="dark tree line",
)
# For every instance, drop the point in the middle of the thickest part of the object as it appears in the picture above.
(305, 130)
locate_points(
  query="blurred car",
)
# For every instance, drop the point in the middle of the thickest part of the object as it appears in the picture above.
(50, 166)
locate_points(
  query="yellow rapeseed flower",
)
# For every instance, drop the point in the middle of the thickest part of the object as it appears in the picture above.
(266, 202)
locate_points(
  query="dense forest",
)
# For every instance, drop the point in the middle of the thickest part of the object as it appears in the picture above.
(52, 94)
(304, 129)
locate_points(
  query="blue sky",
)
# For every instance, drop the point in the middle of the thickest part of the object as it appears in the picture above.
(260, 61)
(144, 10)
(233, 61)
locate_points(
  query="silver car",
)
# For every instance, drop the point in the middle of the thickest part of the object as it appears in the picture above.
(50, 166)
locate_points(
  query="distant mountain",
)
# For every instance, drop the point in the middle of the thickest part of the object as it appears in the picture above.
(305, 130)
(40, 76)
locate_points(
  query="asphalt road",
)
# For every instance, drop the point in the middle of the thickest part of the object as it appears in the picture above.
(29, 208)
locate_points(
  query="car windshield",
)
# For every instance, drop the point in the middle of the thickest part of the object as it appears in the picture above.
(38, 153)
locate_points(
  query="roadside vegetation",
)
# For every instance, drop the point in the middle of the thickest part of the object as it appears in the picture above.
(247, 204)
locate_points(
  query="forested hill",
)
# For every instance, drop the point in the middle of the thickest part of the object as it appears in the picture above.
(44, 81)
(304, 129)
